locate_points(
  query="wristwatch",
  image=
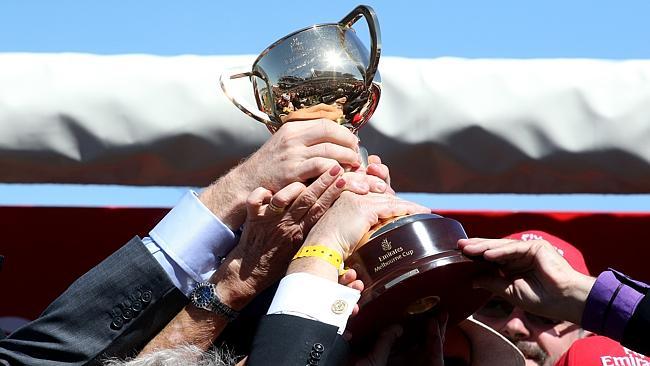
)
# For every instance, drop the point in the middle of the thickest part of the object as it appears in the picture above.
(204, 296)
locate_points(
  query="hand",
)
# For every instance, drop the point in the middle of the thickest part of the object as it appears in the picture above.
(298, 152)
(534, 276)
(352, 215)
(273, 232)
(375, 168)
(345, 223)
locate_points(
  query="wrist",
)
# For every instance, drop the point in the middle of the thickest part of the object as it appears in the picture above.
(330, 243)
(226, 198)
(314, 266)
(231, 290)
(576, 294)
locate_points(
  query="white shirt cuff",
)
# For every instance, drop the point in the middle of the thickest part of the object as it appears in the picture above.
(313, 297)
(194, 239)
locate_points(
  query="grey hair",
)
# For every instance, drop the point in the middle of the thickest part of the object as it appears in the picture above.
(180, 356)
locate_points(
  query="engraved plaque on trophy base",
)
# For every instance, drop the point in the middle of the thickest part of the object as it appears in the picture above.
(412, 266)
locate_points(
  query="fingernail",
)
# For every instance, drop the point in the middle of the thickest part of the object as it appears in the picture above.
(340, 183)
(335, 170)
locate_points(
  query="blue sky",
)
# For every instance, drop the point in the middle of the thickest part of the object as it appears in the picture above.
(474, 29)
(498, 28)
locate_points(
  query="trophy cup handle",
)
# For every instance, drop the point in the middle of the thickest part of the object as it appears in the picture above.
(226, 81)
(375, 36)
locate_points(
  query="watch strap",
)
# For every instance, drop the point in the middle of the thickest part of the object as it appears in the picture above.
(215, 305)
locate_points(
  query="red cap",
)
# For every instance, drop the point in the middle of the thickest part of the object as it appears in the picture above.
(599, 351)
(566, 250)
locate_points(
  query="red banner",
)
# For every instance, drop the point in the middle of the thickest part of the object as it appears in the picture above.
(46, 249)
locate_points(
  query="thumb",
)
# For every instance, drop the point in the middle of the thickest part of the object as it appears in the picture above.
(256, 199)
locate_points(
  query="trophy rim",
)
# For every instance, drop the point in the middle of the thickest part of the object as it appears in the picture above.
(274, 44)
(399, 275)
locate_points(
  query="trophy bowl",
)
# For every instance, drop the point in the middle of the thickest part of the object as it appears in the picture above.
(411, 266)
(322, 64)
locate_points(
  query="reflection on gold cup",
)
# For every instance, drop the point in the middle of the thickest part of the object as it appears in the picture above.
(321, 64)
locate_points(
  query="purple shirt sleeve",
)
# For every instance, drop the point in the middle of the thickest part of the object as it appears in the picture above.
(611, 303)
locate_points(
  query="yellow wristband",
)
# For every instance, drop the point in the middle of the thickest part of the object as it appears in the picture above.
(323, 252)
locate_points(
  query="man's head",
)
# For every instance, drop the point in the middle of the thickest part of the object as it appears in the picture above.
(541, 340)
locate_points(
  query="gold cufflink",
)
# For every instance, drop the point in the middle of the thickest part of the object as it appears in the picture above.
(339, 306)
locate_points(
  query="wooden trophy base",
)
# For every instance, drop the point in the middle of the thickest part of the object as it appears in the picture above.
(412, 266)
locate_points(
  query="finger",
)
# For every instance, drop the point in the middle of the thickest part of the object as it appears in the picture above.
(356, 183)
(376, 168)
(323, 203)
(256, 199)
(310, 196)
(343, 155)
(348, 277)
(392, 206)
(362, 183)
(503, 253)
(313, 167)
(323, 130)
(286, 195)
(355, 310)
(376, 184)
(380, 171)
(521, 256)
(477, 246)
(242, 362)
(356, 285)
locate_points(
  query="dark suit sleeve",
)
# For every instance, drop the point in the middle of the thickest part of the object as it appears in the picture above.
(111, 311)
(637, 331)
(291, 340)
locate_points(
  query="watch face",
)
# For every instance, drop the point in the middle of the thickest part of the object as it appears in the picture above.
(202, 296)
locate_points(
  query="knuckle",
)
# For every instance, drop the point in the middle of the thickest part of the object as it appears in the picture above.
(250, 201)
(326, 126)
(317, 210)
(326, 149)
(346, 195)
(309, 198)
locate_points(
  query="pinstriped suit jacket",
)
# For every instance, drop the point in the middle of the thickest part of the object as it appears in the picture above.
(111, 311)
